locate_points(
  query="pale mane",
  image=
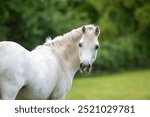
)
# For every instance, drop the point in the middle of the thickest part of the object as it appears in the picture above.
(48, 40)
(66, 38)
(71, 36)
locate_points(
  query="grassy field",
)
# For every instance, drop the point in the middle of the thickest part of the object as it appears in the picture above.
(133, 85)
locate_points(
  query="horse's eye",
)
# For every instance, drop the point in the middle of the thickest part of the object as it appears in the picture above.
(96, 47)
(80, 44)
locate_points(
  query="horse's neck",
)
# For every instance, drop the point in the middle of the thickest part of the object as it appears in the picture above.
(69, 51)
(71, 56)
(65, 49)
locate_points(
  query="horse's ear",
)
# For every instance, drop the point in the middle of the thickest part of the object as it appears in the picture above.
(83, 29)
(97, 31)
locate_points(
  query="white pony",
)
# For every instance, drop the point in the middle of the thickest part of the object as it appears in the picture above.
(47, 71)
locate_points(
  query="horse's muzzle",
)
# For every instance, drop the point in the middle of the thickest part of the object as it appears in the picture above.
(85, 67)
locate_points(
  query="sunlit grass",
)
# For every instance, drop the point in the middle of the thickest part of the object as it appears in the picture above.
(128, 85)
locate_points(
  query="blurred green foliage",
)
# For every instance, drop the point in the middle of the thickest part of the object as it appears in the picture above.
(125, 26)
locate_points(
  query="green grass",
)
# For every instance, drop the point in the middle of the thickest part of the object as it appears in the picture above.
(133, 85)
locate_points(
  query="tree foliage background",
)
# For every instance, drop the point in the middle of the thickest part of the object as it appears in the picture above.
(125, 27)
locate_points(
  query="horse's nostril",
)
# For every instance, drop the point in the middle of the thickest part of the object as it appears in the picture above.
(89, 66)
(81, 64)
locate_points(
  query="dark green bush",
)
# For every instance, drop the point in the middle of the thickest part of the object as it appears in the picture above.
(123, 53)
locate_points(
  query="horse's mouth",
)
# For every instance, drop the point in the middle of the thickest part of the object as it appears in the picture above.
(85, 70)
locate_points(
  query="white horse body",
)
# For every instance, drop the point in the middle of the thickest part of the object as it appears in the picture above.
(45, 73)
(38, 71)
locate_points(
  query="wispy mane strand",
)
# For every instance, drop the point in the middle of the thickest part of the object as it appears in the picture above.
(73, 35)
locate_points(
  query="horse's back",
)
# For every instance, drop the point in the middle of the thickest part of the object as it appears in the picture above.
(11, 55)
(9, 46)
(13, 61)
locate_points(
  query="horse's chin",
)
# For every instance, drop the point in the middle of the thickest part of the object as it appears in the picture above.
(86, 71)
